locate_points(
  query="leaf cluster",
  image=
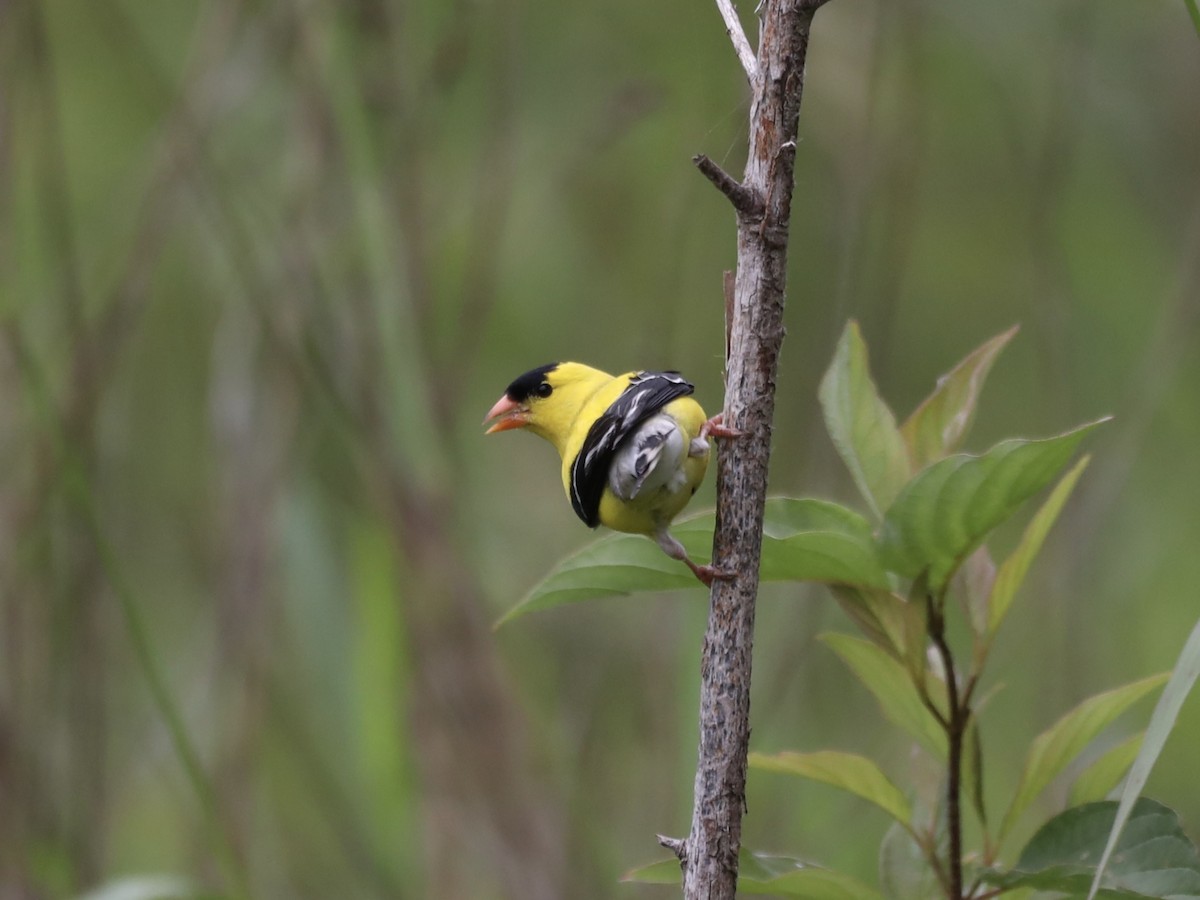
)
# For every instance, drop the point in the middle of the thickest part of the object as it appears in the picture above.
(916, 557)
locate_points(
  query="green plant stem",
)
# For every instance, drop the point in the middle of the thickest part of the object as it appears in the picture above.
(139, 636)
(79, 490)
(927, 702)
(956, 720)
(928, 844)
(1194, 12)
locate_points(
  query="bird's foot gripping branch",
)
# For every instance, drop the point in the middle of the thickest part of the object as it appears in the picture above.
(904, 569)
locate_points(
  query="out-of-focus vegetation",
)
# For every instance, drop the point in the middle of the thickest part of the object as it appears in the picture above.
(263, 266)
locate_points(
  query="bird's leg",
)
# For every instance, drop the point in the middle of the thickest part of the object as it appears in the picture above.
(715, 429)
(674, 549)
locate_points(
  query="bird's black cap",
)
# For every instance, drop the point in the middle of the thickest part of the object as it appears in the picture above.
(523, 387)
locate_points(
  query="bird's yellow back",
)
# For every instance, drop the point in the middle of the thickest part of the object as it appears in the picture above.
(647, 514)
(593, 408)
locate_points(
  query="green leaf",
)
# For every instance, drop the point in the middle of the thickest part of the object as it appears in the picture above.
(904, 870)
(1013, 570)
(149, 887)
(664, 871)
(977, 576)
(1094, 782)
(848, 771)
(761, 873)
(887, 619)
(888, 681)
(615, 565)
(803, 540)
(973, 771)
(816, 540)
(784, 517)
(1154, 858)
(1054, 749)
(949, 508)
(939, 425)
(904, 873)
(1162, 722)
(862, 427)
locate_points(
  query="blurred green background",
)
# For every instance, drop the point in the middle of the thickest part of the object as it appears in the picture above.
(264, 266)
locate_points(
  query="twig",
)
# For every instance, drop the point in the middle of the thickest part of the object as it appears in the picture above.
(741, 46)
(744, 199)
(678, 846)
(927, 702)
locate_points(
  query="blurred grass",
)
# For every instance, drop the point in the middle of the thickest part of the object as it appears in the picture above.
(276, 259)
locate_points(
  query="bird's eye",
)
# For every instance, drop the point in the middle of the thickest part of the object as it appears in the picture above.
(544, 389)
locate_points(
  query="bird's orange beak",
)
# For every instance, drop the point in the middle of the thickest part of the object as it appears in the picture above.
(506, 414)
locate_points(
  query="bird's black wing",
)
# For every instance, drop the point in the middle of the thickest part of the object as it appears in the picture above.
(648, 392)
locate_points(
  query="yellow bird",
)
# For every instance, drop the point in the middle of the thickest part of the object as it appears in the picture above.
(634, 447)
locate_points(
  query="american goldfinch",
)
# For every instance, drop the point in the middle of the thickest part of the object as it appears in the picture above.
(634, 447)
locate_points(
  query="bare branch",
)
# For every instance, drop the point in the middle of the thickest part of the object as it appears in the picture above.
(763, 199)
(741, 46)
(744, 199)
(678, 846)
